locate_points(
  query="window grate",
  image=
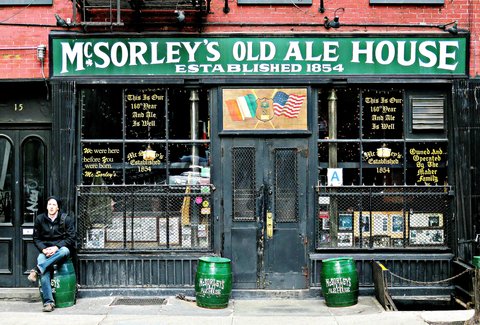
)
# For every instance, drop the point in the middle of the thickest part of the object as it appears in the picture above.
(144, 217)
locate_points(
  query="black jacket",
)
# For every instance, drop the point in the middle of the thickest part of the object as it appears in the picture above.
(47, 233)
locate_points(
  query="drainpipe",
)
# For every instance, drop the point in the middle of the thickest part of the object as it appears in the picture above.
(194, 127)
(333, 162)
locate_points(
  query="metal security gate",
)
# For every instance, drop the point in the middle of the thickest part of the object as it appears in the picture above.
(264, 211)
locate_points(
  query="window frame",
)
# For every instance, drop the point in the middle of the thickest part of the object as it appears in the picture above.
(275, 2)
(407, 2)
(167, 142)
(11, 3)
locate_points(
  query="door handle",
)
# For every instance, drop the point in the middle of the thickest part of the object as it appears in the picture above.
(269, 224)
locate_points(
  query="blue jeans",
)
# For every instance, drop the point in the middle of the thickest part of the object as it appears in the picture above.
(44, 265)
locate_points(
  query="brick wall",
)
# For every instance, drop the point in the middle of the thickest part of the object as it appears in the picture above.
(21, 31)
(18, 43)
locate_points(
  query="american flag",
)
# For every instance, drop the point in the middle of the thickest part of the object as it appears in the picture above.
(288, 105)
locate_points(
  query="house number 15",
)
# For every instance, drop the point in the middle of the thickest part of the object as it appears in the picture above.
(18, 107)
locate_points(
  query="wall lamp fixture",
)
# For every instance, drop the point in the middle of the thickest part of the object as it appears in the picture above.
(61, 22)
(180, 16)
(41, 49)
(335, 23)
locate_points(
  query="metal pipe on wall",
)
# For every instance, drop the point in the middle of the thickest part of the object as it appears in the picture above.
(333, 162)
(332, 129)
(194, 127)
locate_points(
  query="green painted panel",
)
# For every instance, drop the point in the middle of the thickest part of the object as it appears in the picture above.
(188, 56)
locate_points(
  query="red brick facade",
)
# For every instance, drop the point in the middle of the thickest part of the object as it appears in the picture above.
(23, 28)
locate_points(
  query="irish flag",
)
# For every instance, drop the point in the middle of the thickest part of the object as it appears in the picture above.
(288, 105)
(242, 107)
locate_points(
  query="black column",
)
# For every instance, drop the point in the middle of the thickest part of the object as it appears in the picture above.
(63, 143)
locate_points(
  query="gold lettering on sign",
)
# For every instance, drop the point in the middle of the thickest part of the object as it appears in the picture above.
(427, 162)
(97, 162)
(143, 109)
(383, 112)
(136, 159)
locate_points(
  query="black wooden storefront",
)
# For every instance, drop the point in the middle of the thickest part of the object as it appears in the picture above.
(176, 269)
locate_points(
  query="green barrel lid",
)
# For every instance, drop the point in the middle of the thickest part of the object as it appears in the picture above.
(338, 259)
(214, 259)
(476, 261)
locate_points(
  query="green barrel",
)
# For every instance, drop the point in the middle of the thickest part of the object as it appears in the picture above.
(339, 282)
(64, 285)
(213, 282)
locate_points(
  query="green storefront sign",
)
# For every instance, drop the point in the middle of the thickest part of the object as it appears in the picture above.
(259, 56)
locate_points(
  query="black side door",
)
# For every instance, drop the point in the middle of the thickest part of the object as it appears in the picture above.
(23, 190)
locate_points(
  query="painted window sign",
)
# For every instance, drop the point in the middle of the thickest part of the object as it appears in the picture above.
(259, 56)
(265, 109)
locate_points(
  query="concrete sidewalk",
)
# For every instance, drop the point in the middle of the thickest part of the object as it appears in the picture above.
(174, 311)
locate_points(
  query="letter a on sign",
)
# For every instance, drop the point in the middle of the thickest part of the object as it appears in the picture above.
(335, 176)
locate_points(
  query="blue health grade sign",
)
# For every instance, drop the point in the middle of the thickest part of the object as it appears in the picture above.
(247, 56)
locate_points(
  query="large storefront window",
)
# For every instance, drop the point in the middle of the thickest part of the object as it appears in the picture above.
(383, 177)
(145, 168)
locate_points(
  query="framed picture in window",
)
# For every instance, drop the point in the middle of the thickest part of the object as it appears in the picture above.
(345, 221)
(362, 242)
(144, 229)
(380, 223)
(325, 223)
(362, 223)
(324, 237)
(426, 237)
(95, 238)
(365, 223)
(397, 223)
(426, 220)
(345, 239)
(381, 241)
(396, 242)
(433, 221)
(173, 231)
(116, 231)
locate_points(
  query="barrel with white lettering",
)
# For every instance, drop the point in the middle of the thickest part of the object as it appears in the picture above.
(213, 282)
(64, 285)
(339, 281)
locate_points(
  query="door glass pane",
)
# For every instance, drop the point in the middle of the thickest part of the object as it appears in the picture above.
(33, 162)
(243, 189)
(101, 113)
(286, 184)
(6, 181)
